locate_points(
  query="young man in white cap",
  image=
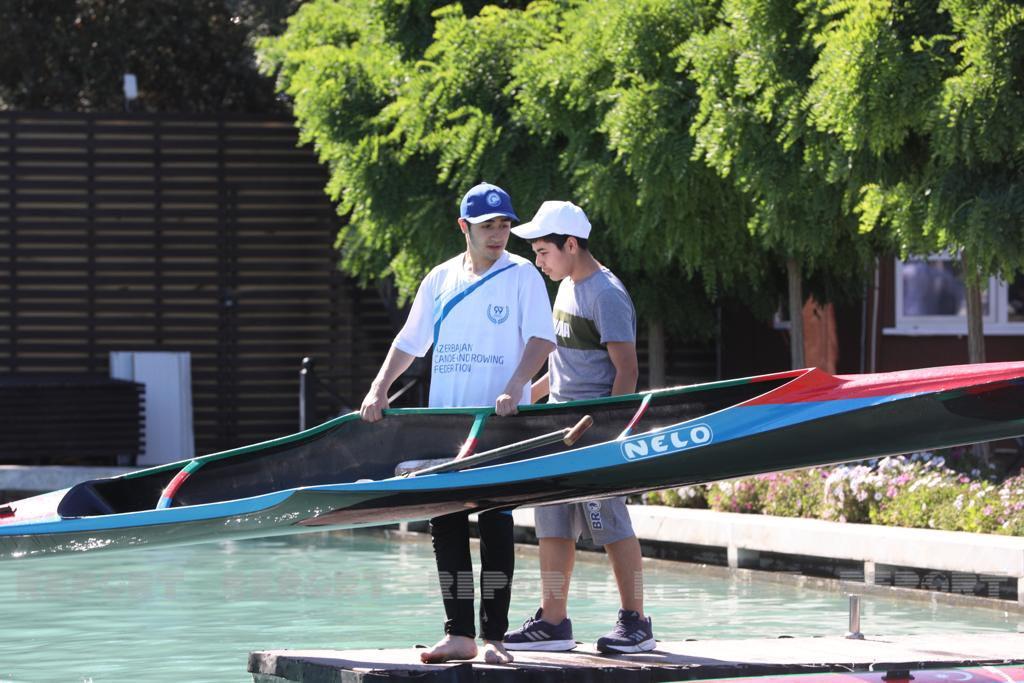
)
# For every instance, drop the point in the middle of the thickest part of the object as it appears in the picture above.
(595, 326)
(487, 315)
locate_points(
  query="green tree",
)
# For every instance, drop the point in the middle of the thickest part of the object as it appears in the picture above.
(934, 92)
(753, 72)
(408, 109)
(582, 101)
(191, 55)
(607, 92)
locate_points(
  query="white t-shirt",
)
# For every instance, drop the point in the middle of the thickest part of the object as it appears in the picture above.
(478, 326)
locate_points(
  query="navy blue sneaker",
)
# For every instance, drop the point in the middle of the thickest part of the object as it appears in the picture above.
(540, 636)
(631, 634)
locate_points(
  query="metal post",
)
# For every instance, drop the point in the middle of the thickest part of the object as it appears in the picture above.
(306, 393)
(854, 632)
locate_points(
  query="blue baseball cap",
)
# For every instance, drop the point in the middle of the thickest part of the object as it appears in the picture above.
(484, 202)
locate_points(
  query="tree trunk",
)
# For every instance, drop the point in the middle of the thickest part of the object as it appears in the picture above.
(975, 315)
(796, 313)
(975, 334)
(655, 354)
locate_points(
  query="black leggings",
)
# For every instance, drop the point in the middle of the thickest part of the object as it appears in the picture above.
(450, 535)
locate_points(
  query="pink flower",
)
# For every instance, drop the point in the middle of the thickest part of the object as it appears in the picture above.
(987, 510)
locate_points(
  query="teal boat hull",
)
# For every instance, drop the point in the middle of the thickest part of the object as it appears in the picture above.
(341, 474)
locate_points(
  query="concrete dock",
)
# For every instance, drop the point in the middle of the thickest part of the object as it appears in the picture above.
(671, 661)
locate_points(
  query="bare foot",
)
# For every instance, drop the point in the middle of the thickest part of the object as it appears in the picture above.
(495, 653)
(448, 648)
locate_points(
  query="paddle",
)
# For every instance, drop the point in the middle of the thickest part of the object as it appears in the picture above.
(567, 436)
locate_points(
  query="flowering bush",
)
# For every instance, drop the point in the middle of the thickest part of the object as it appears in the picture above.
(851, 494)
(953, 492)
(1007, 506)
(682, 497)
(796, 493)
(738, 495)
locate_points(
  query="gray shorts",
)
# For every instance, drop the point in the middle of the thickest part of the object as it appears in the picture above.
(604, 521)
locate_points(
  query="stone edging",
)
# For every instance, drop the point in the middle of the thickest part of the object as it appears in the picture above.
(744, 537)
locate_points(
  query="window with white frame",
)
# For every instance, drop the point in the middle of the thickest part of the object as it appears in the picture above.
(931, 299)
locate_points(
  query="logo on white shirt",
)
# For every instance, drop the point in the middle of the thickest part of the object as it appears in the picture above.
(497, 314)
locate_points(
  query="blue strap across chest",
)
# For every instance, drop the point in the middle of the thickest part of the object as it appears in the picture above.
(462, 295)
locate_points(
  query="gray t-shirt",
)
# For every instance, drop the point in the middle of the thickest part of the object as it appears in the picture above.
(587, 315)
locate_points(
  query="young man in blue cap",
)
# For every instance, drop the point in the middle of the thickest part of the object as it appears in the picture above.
(595, 326)
(487, 315)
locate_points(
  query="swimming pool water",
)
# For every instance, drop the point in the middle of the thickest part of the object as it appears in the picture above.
(194, 613)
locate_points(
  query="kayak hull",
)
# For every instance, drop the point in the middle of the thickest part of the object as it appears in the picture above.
(685, 436)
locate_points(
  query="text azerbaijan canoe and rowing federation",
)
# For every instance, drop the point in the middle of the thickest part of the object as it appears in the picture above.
(460, 357)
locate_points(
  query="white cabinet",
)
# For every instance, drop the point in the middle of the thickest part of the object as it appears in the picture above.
(168, 379)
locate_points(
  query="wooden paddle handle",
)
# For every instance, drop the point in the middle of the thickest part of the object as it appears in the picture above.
(576, 432)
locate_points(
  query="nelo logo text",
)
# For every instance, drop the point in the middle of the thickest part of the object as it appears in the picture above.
(682, 439)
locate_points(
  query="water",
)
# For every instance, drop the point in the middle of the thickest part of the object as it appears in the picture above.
(194, 613)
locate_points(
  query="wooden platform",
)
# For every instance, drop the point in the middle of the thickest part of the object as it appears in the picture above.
(672, 661)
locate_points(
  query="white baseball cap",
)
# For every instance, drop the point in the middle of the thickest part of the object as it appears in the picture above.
(555, 218)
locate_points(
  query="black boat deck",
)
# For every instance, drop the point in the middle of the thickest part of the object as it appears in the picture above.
(672, 661)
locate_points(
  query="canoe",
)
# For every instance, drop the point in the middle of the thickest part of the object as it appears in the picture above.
(341, 474)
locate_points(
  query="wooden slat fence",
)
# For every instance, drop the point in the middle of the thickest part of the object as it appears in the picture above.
(77, 420)
(210, 235)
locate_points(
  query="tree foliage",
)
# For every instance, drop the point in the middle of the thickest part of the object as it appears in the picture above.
(753, 70)
(191, 55)
(939, 109)
(406, 133)
(579, 101)
(607, 92)
(935, 92)
(709, 141)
